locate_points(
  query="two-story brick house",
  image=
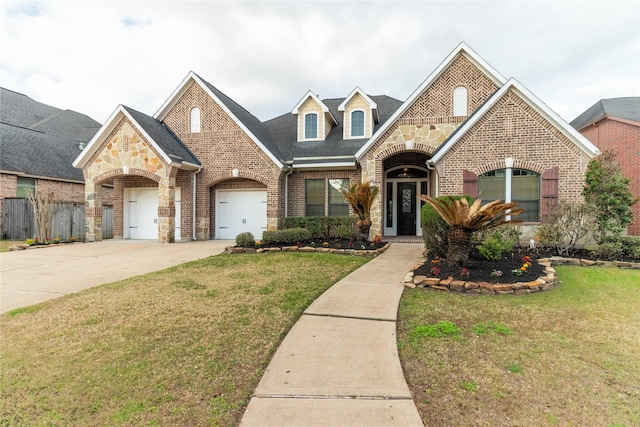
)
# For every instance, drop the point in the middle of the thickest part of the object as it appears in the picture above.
(615, 123)
(203, 167)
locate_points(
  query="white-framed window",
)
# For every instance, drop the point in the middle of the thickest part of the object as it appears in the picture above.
(357, 123)
(338, 205)
(311, 126)
(460, 101)
(195, 120)
(525, 190)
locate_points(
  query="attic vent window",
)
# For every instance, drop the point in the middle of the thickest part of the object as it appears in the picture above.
(311, 126)
(460, 101)
(357, 123)
(125, 143)
(195, 120)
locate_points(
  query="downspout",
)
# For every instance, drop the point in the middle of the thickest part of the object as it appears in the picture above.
(193, 203)
(286, 188)
(432, 168)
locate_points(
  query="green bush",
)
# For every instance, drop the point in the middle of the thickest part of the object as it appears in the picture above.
(434, 229)
(289, 236)
(324, 227)
(494, 246)
(618, 247)
(245, 239)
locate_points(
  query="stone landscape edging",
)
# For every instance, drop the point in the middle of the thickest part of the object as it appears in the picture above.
(543, 283)
(357, 252)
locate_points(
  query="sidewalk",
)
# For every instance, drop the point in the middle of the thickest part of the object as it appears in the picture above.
(339, 364)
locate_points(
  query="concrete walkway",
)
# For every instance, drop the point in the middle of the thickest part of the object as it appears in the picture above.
(39, 274)
(339, 364)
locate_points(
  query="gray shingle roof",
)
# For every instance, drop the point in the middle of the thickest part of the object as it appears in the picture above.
(284, 131)
(623, 108)
(166, 140)
(39, 140)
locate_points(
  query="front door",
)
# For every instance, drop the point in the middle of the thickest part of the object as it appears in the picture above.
(407, 209)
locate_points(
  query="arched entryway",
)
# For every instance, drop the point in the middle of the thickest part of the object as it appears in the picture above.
(405, 177)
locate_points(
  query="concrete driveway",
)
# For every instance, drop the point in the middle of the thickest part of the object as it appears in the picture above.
(39, 274)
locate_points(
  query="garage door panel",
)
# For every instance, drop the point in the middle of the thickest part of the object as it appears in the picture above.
(241, 211)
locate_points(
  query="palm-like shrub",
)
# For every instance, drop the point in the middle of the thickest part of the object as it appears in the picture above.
(465, 219)
(361, 197)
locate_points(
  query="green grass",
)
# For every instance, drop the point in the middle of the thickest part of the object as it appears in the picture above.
(5, 244)
(184, 346)
(568, 356)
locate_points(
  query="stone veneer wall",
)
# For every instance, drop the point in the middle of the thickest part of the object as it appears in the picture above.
(125, 152)
(426, 123)
(221, 146)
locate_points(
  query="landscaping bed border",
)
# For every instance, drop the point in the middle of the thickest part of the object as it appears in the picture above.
(357, 252)
(545, 282)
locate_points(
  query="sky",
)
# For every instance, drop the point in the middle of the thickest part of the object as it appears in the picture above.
(91, 56)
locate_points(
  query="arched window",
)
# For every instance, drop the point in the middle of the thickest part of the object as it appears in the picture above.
(195, 119)
(357, 123)
(311, 126)
(525, 190)
(460, 101)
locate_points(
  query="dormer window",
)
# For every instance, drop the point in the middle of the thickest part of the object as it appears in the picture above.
(311, 126)
(195, 120)
(357, 123)
(460, 101)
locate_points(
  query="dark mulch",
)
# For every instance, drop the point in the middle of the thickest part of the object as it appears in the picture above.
(480, 270)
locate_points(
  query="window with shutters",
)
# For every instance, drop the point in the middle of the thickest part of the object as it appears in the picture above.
(525, 190)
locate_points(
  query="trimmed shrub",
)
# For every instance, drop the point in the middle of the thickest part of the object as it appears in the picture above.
(495, 246)
(434, 229)
(323, 227)
(289, 236)
(617, 247)
(245, 239)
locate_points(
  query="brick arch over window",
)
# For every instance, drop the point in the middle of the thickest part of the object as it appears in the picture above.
(224, 176)
(397, 149)
(114, 173)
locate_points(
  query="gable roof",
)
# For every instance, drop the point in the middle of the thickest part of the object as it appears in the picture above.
(318, 101)
(31, 131)
(334, 150)
(245, 120)
(170, 148)
(513, 85)
(461, 49)
(627, 108)
(358, 91)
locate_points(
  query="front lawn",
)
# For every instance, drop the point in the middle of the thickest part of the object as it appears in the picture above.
(183, 346)
(566, 357)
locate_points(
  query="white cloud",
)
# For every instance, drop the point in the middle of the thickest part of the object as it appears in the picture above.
(92, 56)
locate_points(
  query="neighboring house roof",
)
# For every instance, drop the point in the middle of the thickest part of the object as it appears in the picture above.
(627, 108)
(168, 146)
(41, 141)
(247, 122)
(512, 84)
(463, 49)
(333, 150)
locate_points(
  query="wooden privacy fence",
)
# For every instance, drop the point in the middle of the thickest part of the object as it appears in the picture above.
(18, 220)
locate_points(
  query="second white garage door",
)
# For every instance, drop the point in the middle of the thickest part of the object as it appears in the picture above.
(238, 211)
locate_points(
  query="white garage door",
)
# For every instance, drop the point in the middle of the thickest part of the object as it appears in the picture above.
(141, 213)
(239, 211)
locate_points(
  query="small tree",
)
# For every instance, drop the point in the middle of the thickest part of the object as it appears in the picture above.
(464, 220)
(43, 208)
(607, 195)
(361, 197)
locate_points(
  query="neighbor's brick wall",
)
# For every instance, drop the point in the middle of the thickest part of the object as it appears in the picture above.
(513, 129)
(222, 146)
(297, 187)
(625, 138)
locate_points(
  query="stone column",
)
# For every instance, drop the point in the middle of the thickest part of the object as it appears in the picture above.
(93, 211)
(167, 209)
